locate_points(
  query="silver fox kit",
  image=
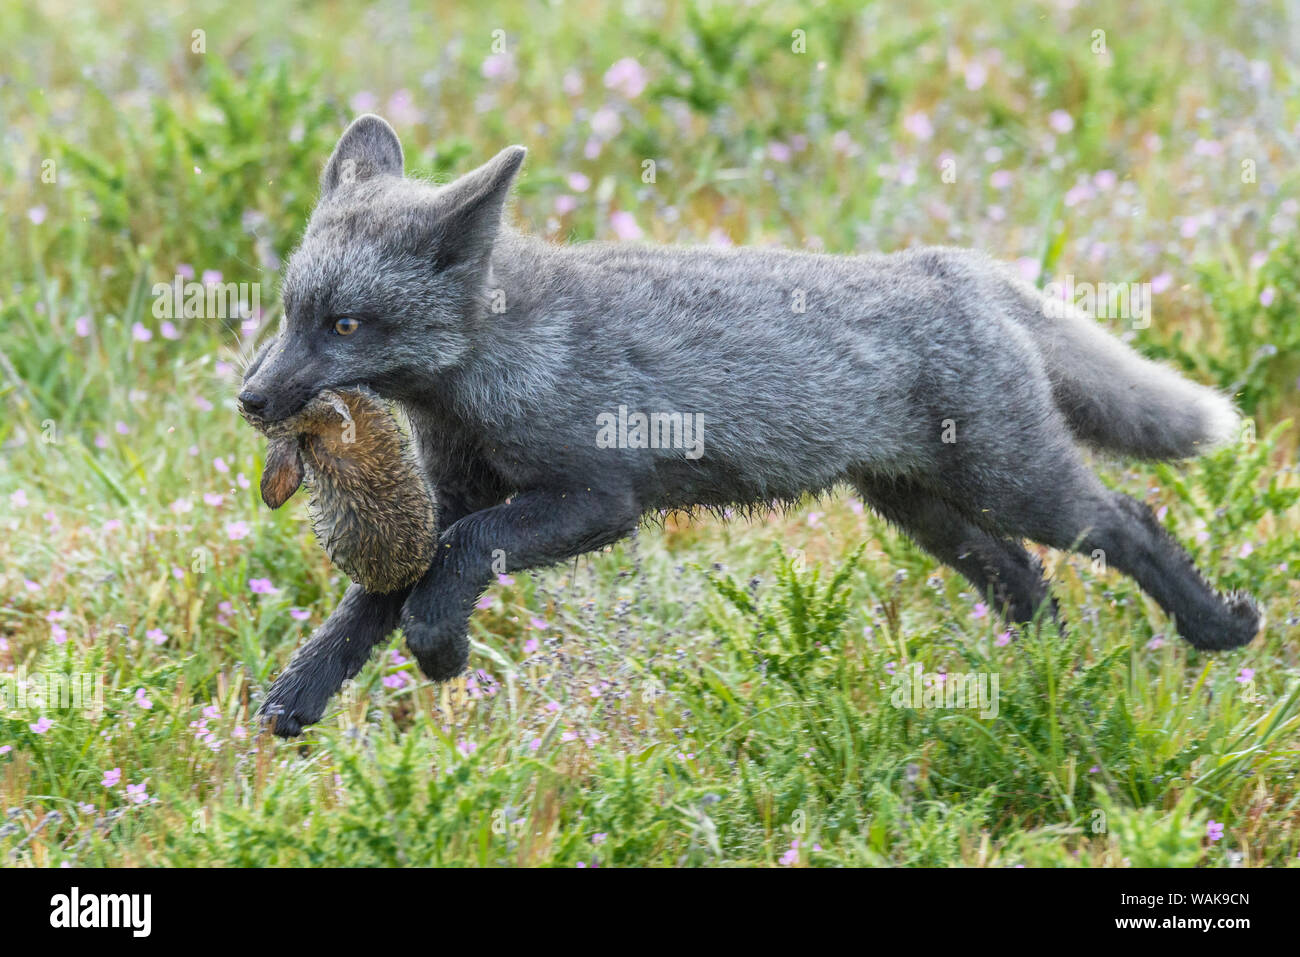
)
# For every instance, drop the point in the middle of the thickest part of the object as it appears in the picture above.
(931, 381)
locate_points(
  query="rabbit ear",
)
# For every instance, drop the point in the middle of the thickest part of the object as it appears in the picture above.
(283, 472)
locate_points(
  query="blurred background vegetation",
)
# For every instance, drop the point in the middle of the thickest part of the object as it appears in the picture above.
(636, 708)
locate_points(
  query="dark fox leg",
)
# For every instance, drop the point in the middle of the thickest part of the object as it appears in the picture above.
(337, 651)
(536, 528)
(342, 645)
(1001, 569)
(1070, 509)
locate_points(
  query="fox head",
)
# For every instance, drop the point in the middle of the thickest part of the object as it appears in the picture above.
(388, 283)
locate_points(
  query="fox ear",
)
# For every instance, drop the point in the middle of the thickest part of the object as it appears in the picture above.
(367, 148)
(467, 212)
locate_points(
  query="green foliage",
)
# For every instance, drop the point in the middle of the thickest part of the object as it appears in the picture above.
(238, 161)
(1149, 837)
(392, 805)
(721, 49)
(1258, 317)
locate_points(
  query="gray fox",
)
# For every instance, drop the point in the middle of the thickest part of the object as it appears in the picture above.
(550, 389)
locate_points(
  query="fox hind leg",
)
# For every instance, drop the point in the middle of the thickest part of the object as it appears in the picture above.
(1131, 539)
(1003, 571)
(1067, 507)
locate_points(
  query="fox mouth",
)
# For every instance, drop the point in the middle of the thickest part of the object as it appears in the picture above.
(252, 418)
(260, 422)
(268, 426)
(274, 426)
(265, 424)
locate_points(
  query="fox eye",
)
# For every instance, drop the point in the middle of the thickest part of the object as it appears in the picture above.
(346, 325)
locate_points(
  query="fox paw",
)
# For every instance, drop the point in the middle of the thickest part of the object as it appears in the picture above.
(441, 651)
(1241, 621)
(292, 704)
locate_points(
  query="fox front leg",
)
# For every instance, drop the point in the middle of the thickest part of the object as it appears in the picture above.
(537, 528)
(336, 652)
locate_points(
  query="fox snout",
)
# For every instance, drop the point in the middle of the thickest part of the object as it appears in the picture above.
(277, 385)
(263, 402)
(252, 403)
(265, 406)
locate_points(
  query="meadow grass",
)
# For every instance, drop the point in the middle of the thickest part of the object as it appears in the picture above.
(710, 692)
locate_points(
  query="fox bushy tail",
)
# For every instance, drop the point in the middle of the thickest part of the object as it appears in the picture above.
(1115, 399)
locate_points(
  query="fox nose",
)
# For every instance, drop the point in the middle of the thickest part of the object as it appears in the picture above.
(253, 402)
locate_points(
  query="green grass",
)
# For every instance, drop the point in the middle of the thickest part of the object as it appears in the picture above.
(708, 693)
